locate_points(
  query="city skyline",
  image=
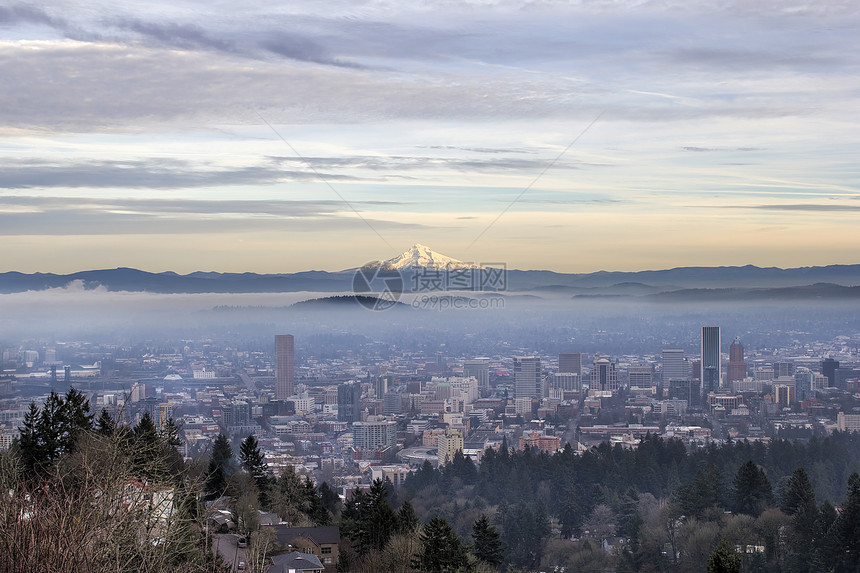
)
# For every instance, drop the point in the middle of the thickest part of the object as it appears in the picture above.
(286, 138)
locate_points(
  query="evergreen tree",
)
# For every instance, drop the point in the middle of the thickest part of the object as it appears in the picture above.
(220, 467)
(798, 501)
(752, 490)
(54, 430)
(288, 497)
(147, 453)
(704, 492)
(442, 550)
(382, 519)
(828, 550)
(76, 417)
(105, 425)
(330, 498)
(846, 529)
(488, 545)
(29, 444)
(314, 507)
(523, 530)
(799, 496)
(354, 522)
(407, 519)
(254, 463)
(724, 560)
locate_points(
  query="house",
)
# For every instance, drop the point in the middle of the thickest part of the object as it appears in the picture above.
(322, 542)
(296, 562)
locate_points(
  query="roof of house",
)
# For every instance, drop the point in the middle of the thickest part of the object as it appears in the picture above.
(327, 534)
(296, 561)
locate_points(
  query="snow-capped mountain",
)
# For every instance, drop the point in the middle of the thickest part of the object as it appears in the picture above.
(423, 256)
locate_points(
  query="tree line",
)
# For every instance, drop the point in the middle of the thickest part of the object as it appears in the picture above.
(658, 507)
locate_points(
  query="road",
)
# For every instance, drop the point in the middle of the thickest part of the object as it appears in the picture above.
(225, 544)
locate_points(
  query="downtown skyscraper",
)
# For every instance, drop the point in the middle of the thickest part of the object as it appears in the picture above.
(284, 366)
(527, 377)
(711, 373)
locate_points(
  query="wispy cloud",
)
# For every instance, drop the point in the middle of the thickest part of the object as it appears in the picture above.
(161, 173)
(22, 215)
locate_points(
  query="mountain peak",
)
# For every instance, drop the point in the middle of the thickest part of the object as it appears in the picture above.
(419, 255)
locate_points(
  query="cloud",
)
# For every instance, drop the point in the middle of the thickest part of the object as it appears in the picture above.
(151, 173)
(796, 207)
(21, 215)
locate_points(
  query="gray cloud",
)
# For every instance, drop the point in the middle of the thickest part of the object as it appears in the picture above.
(153, 173)
(710, 149)
(98, 216)
(24, 14)
(477, 149)
(405, 162)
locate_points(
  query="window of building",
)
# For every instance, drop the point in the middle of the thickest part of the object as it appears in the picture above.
(325, 550)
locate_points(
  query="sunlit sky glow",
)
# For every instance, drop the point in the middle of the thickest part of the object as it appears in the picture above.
(133, 134)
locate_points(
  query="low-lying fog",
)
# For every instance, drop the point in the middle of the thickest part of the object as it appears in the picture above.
(478, 323)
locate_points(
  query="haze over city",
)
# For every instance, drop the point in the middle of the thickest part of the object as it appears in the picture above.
(249, 136)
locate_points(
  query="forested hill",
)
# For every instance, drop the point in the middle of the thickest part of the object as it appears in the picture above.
(654, 497)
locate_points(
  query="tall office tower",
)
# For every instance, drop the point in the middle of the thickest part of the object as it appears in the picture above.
(380, 386)
(804, 383)
(480, 369)
(737, 369)
(674, 365)
(783, 369)
(604, 376)
(349, 402)
(284, 367)
(828, 368)
(711, 373)
(67, 375)
(527, 377)
(570, 362)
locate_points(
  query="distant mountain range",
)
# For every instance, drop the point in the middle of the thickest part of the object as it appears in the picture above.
(678, 283)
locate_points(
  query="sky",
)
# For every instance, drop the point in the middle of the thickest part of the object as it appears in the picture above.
(287, 136)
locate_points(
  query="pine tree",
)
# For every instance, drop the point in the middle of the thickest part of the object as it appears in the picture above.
(32, 456)
(330, 498)
(147, 453)
(382, 519)
(752, 491)
(407, 519)
(76, 417)
(54, 430)
(254, 463)
(846, 529)
(442, 550)
(488, 545)
(314, 508)
(105, 425)
(798, 501)
(220, 467)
